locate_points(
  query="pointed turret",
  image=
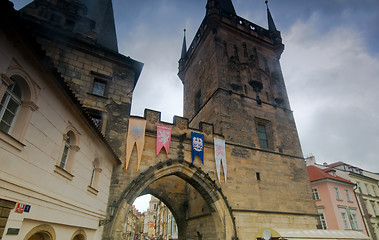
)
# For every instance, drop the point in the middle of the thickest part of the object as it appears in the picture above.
(91, 21)
(224, 5)
(101, 11)
(271, 24)
(184, 47)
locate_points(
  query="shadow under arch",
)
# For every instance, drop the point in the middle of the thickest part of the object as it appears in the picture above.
(196, 177)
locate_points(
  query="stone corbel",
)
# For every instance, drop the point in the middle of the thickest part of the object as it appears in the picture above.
(31, 105)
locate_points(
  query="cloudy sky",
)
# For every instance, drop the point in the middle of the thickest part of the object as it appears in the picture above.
(330, 65)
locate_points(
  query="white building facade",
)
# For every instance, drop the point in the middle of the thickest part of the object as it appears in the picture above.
(55, 165)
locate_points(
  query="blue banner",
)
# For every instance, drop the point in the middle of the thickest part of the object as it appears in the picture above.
(197, 146)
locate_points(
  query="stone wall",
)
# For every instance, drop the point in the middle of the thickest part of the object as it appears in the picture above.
(280, 197)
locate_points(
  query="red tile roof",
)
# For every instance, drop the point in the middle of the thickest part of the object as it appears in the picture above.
(316, 173)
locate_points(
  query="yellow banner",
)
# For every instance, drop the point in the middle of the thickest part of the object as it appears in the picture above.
(136, 135)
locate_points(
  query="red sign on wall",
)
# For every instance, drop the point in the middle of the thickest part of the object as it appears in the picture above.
(20, 208)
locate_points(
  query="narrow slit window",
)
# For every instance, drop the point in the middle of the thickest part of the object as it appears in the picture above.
(66, 152)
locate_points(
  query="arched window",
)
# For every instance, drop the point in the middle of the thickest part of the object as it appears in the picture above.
(9, 107)
(66, 158)
(18, 95)
(66, 152)
(95, 172)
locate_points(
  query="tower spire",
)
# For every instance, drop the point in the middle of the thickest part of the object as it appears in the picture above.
(271, 24)
(184, 47)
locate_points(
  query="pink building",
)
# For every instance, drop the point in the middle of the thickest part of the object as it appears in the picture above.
(335, 200)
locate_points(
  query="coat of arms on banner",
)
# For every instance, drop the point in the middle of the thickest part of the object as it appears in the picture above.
(136, 135)
(197, 146)
(163, 138)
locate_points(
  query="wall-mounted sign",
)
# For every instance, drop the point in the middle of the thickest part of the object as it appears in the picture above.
(13, 231)
(27, 208)
(20, 208)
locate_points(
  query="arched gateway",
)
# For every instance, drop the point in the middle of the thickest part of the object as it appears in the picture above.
(219, 214)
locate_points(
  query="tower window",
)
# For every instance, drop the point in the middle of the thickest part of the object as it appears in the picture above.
(100, 84)
(99, 87)
(263, 128)
(198, 101)
(258, 176)
(262, 135)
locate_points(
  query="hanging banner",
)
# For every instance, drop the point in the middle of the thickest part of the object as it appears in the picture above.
(197, 146)
(163, 138)
(136, 135)
(220, 156)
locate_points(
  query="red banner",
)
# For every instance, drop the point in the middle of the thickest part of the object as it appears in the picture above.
(163, 138)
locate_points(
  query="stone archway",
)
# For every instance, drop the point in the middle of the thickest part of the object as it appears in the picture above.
(219, 210)
(79, 235)
(41, 232)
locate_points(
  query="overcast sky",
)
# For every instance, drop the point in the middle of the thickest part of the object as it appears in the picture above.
(330, 65)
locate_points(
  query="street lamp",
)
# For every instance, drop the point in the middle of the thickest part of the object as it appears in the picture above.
(112, 210)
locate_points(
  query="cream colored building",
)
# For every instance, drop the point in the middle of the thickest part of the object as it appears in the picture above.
(55, 165)
(150, 216)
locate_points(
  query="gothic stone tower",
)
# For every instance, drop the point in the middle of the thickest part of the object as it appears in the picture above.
(80, 38)
(232, 78)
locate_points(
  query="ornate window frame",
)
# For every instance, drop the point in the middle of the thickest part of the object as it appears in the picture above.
(30, 92)
(93, 186)
(66, 169)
